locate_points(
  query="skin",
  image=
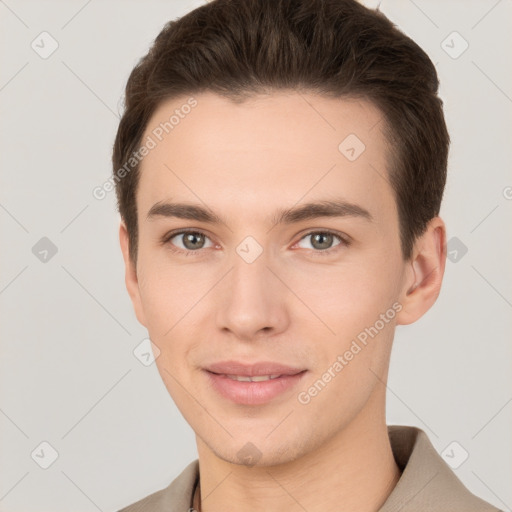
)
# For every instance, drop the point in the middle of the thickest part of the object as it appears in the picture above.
(291, 305)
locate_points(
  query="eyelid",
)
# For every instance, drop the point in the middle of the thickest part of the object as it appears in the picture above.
(171, 234)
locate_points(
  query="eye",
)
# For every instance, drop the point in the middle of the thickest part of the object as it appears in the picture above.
(190, 242)
(187, 241)
(322, 241)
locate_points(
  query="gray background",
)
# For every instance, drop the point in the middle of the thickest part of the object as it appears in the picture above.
(68, 373)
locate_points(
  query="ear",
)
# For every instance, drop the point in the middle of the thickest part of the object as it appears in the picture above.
(131, 278)
(424, 273)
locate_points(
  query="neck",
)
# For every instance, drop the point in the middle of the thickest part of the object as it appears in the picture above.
(352, 471)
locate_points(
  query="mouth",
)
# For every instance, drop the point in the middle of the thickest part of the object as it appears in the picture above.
(255, 389)
(246, 378)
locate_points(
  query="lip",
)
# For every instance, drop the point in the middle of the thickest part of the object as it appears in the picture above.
(252, 393)
(252, 369)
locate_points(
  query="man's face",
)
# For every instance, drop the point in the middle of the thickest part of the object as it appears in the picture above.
(297, 292)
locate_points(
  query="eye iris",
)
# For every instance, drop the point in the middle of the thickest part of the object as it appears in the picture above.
(327, 240)
(190, 238)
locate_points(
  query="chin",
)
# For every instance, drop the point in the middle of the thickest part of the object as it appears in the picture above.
(261, 450)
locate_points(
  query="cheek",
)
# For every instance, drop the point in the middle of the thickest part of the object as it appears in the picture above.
(167, 292)
(355, 305)
(173, 298)
(346, 297)
(350, 363)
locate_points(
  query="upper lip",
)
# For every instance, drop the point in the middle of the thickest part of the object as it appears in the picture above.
(252, 369)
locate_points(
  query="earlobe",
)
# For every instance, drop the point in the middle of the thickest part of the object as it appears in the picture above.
(425, 273)
(131, 276)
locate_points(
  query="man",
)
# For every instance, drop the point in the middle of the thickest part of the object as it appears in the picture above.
(279, 168)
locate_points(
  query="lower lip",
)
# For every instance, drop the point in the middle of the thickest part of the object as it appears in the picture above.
(253, 393)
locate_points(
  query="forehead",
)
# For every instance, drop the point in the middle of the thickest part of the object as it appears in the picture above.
(268, 151)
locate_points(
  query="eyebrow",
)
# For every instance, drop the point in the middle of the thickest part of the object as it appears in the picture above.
(307, 211)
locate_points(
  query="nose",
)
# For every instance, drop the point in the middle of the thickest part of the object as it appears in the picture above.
(252, 302)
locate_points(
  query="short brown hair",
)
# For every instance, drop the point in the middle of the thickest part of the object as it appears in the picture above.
(337, 48)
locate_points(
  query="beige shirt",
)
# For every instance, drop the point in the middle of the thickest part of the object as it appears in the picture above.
(427, 483)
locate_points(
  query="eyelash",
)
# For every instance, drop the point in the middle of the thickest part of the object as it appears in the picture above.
(344, 241)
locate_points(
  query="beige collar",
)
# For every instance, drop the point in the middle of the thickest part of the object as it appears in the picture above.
(427, 482)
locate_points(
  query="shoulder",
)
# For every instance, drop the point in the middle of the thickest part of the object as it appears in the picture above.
(176, 496)
(427, 482)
